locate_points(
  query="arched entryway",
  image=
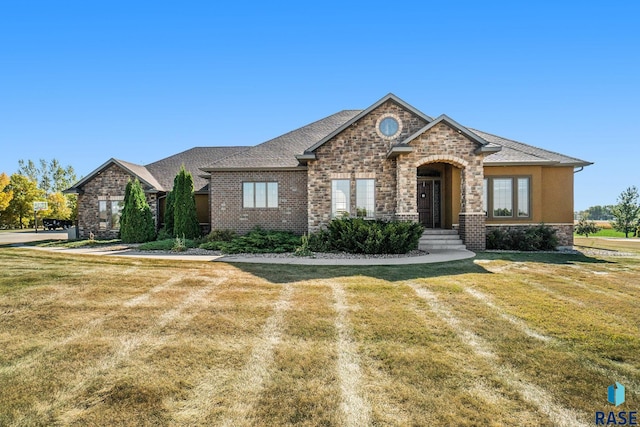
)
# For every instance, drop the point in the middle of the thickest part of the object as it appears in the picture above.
(438, 195)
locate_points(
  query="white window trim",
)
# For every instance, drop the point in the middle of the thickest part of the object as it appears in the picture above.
(267, 201)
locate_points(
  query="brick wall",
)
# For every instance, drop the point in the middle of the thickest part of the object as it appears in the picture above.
(108, 184)
(471, 228)
(359, 152)
(225, 198)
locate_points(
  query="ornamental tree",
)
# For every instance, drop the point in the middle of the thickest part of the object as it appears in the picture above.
(136, 222)
(185, 219)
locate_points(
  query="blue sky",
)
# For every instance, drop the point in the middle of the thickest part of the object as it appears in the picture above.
(86, 81)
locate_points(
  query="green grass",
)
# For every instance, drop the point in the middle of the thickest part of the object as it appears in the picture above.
(495, 340)
(607, 232)
(74, 243)
(165, 245)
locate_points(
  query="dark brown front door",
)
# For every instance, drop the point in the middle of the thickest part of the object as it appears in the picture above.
(428, 193)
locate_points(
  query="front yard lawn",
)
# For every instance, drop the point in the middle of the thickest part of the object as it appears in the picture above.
(503, 339)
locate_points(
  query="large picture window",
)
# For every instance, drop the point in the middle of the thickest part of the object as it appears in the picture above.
(259, 194)
(109, 213)
(340, 197)
(365, 198)
(507, 197)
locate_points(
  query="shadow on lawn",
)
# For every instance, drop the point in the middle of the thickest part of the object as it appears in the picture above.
(287, 273)
(542, 257)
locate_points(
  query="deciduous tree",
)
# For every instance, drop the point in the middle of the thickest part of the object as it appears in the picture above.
(627, 211)
(25, 192)
(5, 191)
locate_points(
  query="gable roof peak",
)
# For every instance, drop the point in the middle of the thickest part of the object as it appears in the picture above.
(388, 97)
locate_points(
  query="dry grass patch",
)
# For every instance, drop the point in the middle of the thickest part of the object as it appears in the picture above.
(529, 339)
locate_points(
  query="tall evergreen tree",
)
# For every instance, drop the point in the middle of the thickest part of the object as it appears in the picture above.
(168, 211)
(136, 222)
(185, 219)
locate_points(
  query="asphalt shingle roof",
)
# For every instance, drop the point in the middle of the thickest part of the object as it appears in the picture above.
(519, 152)
(280, 152)
(166, 169)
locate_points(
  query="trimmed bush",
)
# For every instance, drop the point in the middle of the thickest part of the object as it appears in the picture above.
(357, 235)
(221, 236)
(537, 238)
(258, 241)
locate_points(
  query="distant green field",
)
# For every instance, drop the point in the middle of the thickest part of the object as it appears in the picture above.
(608, 233)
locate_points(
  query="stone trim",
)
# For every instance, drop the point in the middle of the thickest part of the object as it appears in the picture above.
(442, 158)
(564, 231)
(396, 118)
(335, 175)
(365, 175)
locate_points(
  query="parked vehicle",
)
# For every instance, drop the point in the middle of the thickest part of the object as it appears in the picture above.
(52, 224)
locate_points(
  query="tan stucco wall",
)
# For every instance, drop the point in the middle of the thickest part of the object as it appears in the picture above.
(202, 208)
(557, 200)
(551, 188)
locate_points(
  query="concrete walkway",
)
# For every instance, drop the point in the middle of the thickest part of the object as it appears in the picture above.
(432, 257)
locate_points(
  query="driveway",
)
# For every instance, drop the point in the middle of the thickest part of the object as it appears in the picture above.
(24, 236)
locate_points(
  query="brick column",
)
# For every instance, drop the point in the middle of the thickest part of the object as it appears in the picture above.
(472, 230)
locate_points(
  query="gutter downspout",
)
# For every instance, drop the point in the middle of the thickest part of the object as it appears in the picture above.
(578, 170)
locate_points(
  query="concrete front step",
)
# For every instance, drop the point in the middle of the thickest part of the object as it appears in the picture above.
(428, 248)
(433, 239)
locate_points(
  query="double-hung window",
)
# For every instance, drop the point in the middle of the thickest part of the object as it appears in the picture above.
(507, 197)
(259, 194)
(340, 197)
(365, 198)
(341, 203)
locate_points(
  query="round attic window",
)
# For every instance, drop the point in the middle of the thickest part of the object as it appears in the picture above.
(388, 126)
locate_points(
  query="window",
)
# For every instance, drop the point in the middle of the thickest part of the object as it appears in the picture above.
(365, 198)
(507, 197)
(502, 197)
(485, 196)
(116, 213)
(340, 197)
(523, 197)
(259, 194)
(103, 217)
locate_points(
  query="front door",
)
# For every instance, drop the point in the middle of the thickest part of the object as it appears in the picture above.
(428, 192)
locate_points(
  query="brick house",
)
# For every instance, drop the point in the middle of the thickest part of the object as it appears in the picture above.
(389, 161)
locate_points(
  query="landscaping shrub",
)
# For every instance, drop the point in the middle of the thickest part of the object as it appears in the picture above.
(356, 235)
(586, 227)
(258, 241)
(221, 236)
(538, 238)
